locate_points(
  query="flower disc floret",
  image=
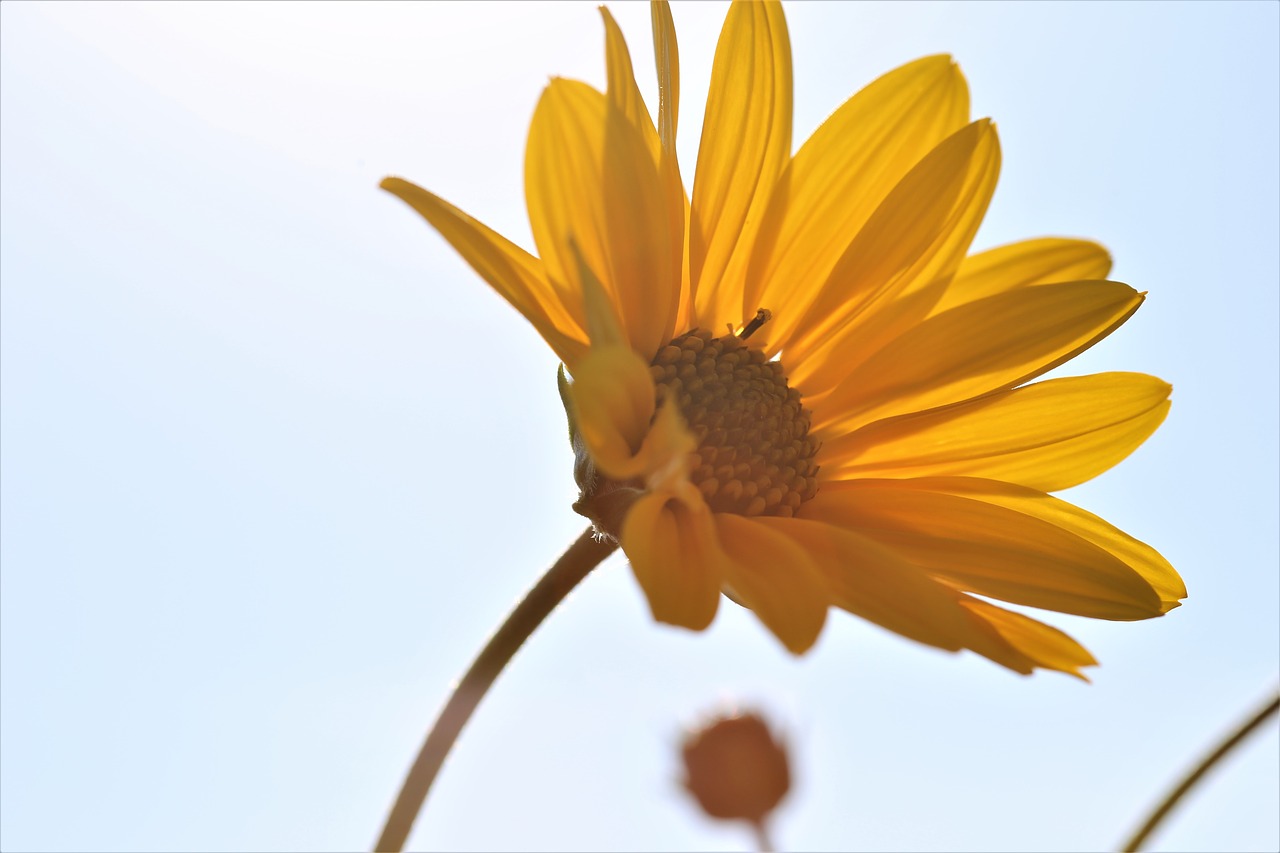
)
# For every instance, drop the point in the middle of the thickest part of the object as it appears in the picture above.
(755, 455)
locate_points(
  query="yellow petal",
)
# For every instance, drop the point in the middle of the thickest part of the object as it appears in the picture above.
(675, 558)
(625, 94)
(622, 88)
(514, 273)
(1139, 556)
(1042, 261)
(842, 173)
(980, 346)
(988, 549)
(1049, 436)
(772, 574)
(590, 182)
(613, 399)
(666, 56)
(1021, 643)
(746, 140)
(916, 238)
(600, 314)
(872, 582)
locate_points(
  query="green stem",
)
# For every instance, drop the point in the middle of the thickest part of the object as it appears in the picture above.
(576, 563)
(1167, 805)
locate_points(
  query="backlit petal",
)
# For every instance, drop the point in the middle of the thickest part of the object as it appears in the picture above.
(1051, 435)
(774, 575)
(667, 59)
(908, 248)
(622, 89)
(1021, 643)
(985, 345)
(1139, 556)
(874, 583)
(591, 183)
(514, 273)
(989, 549)
(1042, 261)
(746, 141)
(842, 173)
(666, 56)
(676, 559)
(625, 94)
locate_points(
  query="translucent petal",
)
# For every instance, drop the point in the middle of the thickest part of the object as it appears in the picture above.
(746, 141)
(593, 191)
(910, 246)
(1030, 262)
(666, 56)
(676, 559)
(842, 173)
(771, 573)
(1051, 435)
(985, 345)
(614, 400)
(622, 89)
(874, 583)
(1139, 556)
(1021, 643)
(514, 273)
(988, 549)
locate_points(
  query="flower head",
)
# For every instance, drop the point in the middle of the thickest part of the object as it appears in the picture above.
(792, 386)
(735, 768)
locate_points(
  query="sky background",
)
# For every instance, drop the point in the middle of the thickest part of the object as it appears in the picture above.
(275, 461)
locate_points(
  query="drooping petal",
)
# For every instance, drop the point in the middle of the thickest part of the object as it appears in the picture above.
(613, 398)
(746, 141)
(676, 559)
(1021, 643)
(1137, 555)
(1045, 260)
(1049, 436)
(773, 574)
(591, 183)
(841, 175)
(985, 345)
(516, 275)
(872, 582)
(988, 549)
(614, 401)
(909, 247)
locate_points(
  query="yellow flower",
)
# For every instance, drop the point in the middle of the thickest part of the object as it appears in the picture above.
(793, 387)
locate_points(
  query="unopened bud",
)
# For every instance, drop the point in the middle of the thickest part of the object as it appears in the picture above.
(736, 769)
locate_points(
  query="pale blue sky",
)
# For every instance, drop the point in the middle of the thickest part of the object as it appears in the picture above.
(275, 461)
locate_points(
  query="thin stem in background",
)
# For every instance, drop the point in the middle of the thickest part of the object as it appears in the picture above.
(1167, 805)
(576, 563)
(764, 844)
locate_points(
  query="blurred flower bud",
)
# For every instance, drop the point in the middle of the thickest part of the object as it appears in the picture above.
(735, 768)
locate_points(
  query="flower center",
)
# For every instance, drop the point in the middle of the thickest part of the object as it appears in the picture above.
(754, 456)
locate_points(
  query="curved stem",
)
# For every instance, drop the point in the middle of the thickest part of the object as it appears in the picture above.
(1132, 845)
(576, 563)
